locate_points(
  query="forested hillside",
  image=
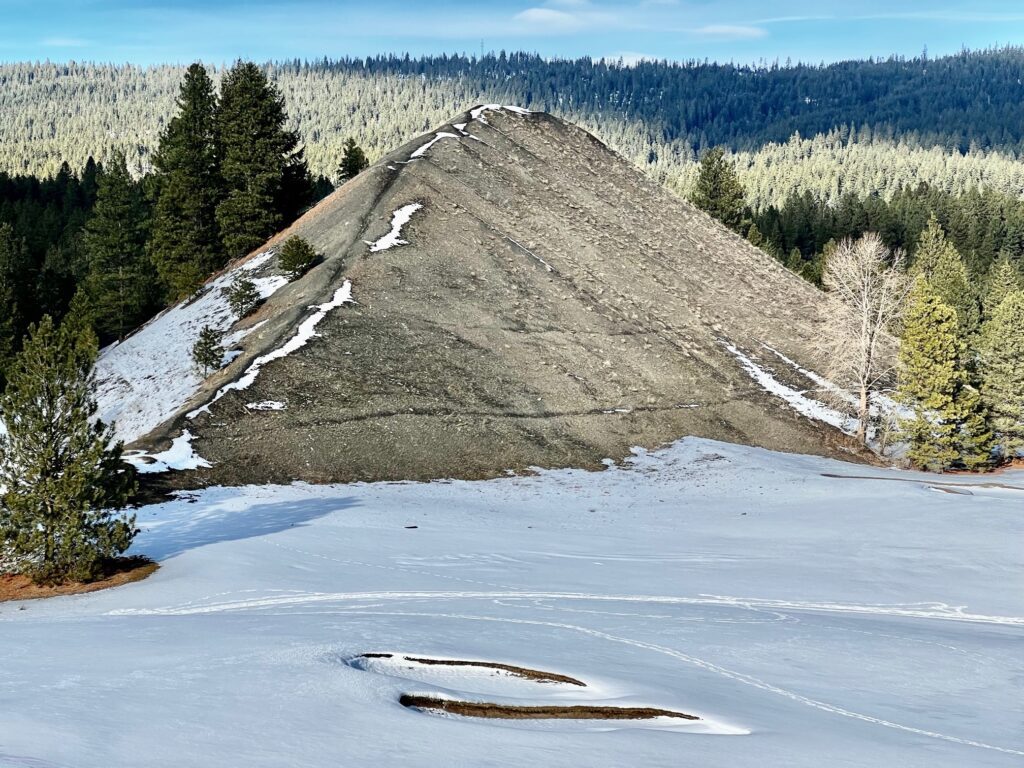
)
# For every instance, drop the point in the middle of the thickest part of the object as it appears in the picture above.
(867, 127)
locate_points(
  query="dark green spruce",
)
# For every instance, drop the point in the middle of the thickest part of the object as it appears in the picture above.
(719, 192)
(265, 176)
(63, 478)
(185, 246)
(353, 161)
(119, 284)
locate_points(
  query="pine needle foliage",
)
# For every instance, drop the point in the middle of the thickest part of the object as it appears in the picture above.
(185, 246)
(939, 262)
(948, 426)
(207, 352)
(119, 283)
(718, 191)
(242, 295)
(1001, 367)
(63, 478)
(353, 161)
(1003, 279)
(296, 257)
(259, 157)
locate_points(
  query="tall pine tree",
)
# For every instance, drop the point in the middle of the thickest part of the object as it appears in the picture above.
(1001, 366)
(1003, 279)
(119, 284)
(353, 161)
(938, 261)
(62, 475)
(260, 160)
(16, 296)
(948, 426)
(185, 246)
(719, 192)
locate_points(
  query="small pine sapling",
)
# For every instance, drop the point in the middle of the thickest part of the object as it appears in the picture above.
(296, 257)
(207, 352)
(242, 295)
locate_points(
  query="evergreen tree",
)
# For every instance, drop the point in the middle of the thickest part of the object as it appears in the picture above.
(975, 439)
(298, 190)
(119, 284)
(296, 257)
(242, 296)
(718, 190)
(185, 245)
(257, 154)
(1001, 353)
(15, 297)
(754, 236)
(948, 425)
(1003, 279)
(353, 161)
(207, 353)
(62, 474)
(938, 261)
(322, 187)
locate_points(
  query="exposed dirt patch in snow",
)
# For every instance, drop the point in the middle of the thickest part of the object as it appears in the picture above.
(123, 570)
(523, 672)
(545, 712)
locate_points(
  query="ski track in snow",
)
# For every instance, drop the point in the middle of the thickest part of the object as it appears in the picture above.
(933, 611)
(649, 598)
(708, 666)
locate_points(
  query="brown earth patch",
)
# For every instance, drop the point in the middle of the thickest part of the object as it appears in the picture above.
(512, 712)
(524, 672)
(123, 570)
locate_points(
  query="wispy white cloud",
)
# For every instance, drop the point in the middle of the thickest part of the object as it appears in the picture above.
(730, 32)
(549, 20)
(564, 16)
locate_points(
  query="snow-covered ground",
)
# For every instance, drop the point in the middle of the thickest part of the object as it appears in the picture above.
(145, 379)
(808, 620)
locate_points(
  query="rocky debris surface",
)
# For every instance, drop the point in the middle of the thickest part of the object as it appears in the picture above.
(518, 295)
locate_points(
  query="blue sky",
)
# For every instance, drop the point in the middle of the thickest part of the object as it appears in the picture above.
(217, 31)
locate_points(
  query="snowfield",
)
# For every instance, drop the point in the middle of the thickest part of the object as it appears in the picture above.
(144, 380)
(874, 618)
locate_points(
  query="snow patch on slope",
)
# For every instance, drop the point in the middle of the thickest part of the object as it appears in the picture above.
(478, 112)
(437, 137)
(306, 331)
(181, 455)
(879, 404)
(398, 220)
(266, 405)
(143, 380)
(799, 401)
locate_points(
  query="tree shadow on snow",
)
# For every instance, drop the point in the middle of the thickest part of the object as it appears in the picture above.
(218, 520)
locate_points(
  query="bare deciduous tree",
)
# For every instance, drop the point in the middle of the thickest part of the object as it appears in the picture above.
(867, 288)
